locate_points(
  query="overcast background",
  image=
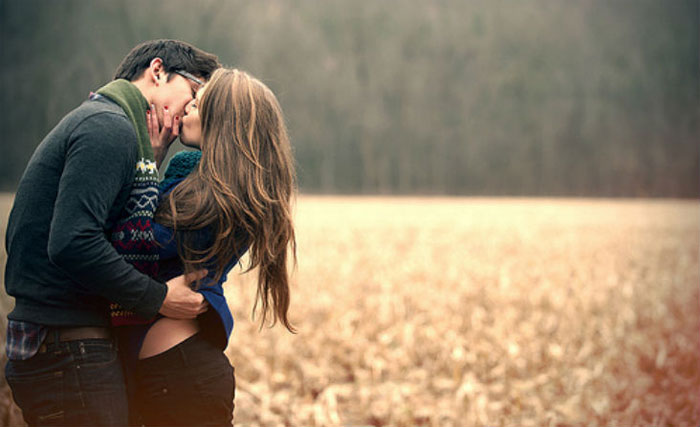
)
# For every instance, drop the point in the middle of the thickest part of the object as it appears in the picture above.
(519, 98)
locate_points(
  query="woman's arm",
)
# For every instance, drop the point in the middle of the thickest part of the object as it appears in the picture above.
(161, 139)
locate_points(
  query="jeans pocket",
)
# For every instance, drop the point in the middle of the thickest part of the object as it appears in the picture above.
(158, 403)
(152, 388)
(39, 395)
(215, 391)
(96, 353)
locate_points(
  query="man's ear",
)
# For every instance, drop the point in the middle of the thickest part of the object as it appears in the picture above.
(156, 72)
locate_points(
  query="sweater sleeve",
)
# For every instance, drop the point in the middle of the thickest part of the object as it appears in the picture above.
(100, 159)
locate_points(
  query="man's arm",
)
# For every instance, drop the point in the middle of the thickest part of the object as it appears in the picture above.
(100, 160)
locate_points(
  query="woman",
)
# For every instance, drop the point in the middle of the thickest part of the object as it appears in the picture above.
(236, 198)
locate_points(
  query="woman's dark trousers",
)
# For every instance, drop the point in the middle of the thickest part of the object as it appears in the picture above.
(190, 384)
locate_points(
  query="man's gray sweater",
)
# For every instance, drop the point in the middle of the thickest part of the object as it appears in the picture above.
(61, 267)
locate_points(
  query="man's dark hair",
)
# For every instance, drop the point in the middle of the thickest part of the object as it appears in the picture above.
(176, 56)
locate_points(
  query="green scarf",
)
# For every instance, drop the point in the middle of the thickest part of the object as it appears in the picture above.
(129, 97)
(132, 235)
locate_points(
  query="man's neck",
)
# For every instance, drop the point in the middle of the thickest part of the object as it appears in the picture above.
(145, 87)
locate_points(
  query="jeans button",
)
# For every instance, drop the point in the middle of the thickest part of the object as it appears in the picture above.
(165, 391)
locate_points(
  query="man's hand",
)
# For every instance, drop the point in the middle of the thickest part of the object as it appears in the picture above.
(161, 138)
(181, 302)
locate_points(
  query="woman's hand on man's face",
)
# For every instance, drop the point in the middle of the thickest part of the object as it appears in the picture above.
(161, 137)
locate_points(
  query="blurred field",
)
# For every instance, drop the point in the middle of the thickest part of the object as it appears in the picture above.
(461, 312)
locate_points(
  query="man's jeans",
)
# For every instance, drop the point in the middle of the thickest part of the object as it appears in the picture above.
(70, 383)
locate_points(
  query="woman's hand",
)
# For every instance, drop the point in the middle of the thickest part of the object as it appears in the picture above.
(161, 138)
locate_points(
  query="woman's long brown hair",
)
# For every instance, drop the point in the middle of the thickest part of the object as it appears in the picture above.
(242, 190)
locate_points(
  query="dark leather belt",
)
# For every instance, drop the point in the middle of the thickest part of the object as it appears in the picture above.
(73, 334)
(81, 333)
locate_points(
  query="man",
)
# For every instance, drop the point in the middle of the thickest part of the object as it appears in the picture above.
(64, 267)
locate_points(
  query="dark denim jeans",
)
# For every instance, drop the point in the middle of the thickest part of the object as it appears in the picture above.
(71, 383)
(190, 384)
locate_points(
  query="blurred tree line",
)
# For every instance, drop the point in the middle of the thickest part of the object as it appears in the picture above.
(539, 97)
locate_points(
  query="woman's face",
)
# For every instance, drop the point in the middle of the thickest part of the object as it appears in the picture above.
(191, 132)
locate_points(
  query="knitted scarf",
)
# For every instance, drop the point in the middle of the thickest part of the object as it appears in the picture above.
(132, 234)
(179, 167)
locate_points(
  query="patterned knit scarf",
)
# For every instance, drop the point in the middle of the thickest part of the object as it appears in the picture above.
(132, 235)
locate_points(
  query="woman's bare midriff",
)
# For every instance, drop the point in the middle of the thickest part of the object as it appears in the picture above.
(165, 334)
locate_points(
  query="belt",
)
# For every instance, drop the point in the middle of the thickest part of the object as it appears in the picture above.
(73, 334)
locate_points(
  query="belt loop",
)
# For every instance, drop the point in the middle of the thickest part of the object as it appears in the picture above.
(183, 355)
(56, 335)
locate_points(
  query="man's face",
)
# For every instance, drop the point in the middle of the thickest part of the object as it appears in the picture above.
(174, 94)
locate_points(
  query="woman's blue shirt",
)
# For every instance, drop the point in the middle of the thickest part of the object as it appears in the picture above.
(170, 264)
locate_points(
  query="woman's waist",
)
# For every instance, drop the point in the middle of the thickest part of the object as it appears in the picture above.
(166, 333)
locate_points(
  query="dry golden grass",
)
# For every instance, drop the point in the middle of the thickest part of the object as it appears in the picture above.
(468, 312)
(461, 312)
(9, 413)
